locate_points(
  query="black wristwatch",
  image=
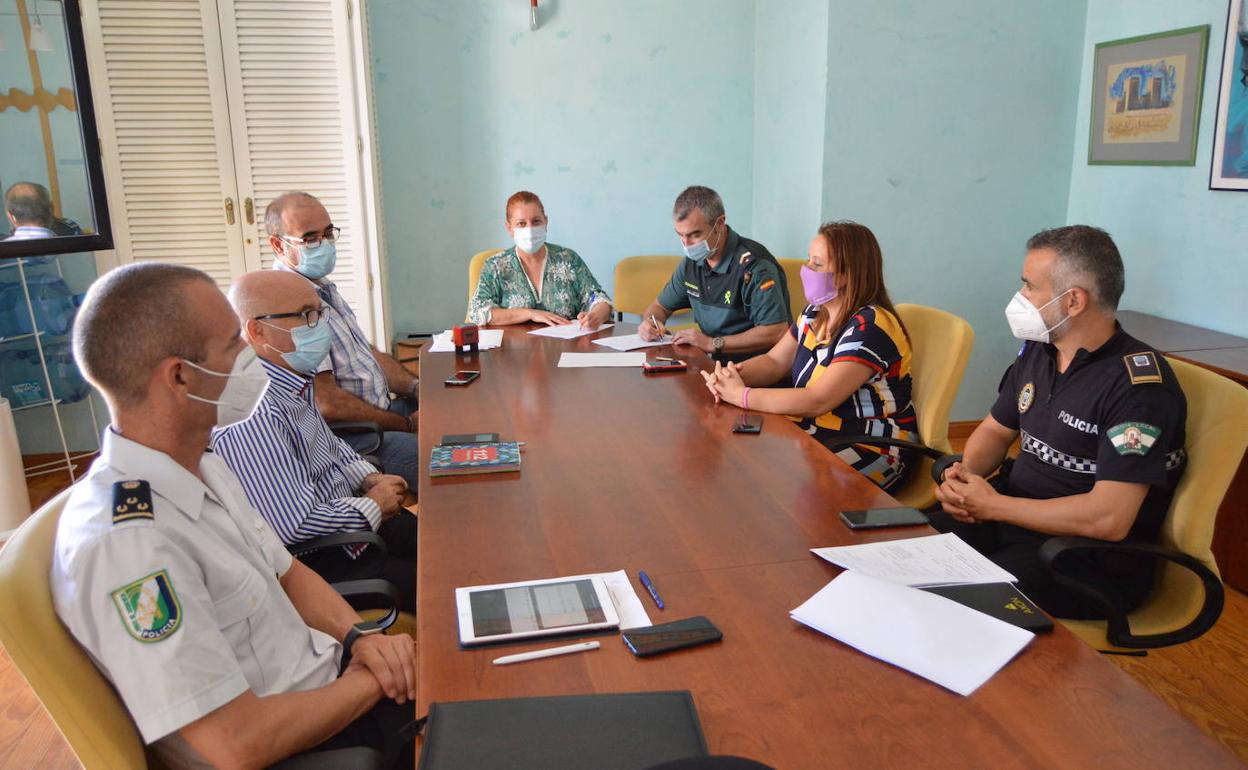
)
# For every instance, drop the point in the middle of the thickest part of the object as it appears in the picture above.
(363, 628)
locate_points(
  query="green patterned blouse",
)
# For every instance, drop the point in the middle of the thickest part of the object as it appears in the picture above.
(568, 288)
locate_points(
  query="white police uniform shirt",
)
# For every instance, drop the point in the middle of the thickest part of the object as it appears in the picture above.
(171, 585)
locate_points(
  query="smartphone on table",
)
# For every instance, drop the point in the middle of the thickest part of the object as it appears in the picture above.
(876, 518)
(748, 423)
(462, 377)
(665, 637)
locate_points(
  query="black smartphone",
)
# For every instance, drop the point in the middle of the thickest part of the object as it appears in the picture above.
(748, 423)
(883, 517)
(462, 377)
(666, 637)
(459, 439)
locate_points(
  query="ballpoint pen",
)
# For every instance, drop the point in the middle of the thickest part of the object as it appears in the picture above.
(654, 594)
(549, 652)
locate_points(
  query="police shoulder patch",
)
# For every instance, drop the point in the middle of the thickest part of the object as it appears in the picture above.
(149, 608)
(1025, 397)
(1133, 438)
(1142, 367)
(132, 500)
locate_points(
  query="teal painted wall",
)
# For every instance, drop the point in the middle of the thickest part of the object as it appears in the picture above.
(1183, 244)
(790, 89)
(948, 132)
(607, 111)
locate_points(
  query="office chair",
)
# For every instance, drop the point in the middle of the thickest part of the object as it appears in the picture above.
(1188, 596)
(793, 278)
(78, 697)
(638, 281)
(373, 599)
(940, 345)
(475, 266)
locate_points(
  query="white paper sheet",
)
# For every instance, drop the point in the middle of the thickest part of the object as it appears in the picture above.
(568, 331)
(918, 561)
(585, 360)
(627, 604)
(632, 342)
(952, 645)
(487, 340)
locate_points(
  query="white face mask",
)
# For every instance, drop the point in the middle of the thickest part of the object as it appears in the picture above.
(1026, 320)
(243, 391)
(529, 239)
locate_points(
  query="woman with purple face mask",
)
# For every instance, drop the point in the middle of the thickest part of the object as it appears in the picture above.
(848, 356)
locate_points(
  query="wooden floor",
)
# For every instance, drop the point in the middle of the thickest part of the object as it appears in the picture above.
(1206, 681)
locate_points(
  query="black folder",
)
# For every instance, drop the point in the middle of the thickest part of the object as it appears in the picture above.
(621, 731)
(1003, 601)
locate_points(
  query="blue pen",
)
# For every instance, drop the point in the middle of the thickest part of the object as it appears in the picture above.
(645, 581)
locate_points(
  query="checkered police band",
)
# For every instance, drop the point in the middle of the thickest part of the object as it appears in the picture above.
(1048, 454)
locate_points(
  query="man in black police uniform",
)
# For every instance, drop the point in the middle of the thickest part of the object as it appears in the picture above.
(736, 288)
(1102, 422)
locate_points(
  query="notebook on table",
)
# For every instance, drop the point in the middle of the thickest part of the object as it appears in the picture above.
(464, 459)
(1002, 601)
(618, 731)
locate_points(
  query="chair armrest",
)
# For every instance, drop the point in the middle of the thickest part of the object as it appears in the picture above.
(360, 757)
(1119, 628)
(371, 594)
(837, 443)
(358, 537)
(347, 428)
(941, 465)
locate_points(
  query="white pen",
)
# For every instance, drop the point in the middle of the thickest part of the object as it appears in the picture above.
(546, 653)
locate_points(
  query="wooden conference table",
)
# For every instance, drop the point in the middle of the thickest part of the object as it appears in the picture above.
(627, 471)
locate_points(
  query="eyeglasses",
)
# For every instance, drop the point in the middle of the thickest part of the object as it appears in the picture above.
(312, 240)
(310, 317)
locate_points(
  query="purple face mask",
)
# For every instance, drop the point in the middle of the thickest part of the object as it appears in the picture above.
(820, 288)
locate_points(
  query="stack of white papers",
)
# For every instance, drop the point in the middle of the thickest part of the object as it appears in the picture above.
(954, 646)
(632, 342)
(920, 561)
(488, 339)
(568, 331)
(585, 360)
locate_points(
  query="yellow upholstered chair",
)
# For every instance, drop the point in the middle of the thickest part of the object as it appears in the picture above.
(793, 277)
(1188, 596)
(475, 266)
(940, 345)
(638, 281)
(80, 700)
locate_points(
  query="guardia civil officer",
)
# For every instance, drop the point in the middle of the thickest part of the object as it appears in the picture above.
(223, 648)
(737, 290)
(1101, 418)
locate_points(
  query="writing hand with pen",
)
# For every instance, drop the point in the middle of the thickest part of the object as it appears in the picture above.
(651, 329)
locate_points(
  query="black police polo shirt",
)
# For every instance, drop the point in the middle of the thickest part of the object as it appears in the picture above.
(1116, 414)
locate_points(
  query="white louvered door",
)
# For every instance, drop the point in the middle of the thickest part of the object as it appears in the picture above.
(288, 68)
(213, 108)
(163, 122)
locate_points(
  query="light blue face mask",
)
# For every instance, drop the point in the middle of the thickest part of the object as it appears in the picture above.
(312, 344)
(317, 261)
(699, 251)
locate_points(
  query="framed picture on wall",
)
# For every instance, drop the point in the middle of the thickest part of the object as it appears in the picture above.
(1229, 168)
(1146, 98)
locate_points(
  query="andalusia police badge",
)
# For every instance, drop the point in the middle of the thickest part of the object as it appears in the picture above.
(1026, 396)
(149, 608)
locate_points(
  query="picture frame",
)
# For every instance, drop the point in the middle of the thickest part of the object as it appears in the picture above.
(1146, 95)
(1228, 165)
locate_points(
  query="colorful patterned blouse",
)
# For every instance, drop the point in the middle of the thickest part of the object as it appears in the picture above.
(568, 288)
(874, 338)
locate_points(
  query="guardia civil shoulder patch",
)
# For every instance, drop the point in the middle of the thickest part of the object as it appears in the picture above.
(1133, 438)
(1142, 367)
(132, 500)
(149, 608)
(1026, 396)
(765, 285)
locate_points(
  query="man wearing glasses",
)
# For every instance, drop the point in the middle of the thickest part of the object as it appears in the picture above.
(304, 480)
(357, 382)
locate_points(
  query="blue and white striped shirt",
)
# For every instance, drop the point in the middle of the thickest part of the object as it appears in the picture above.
(300, 476)
(351, 355)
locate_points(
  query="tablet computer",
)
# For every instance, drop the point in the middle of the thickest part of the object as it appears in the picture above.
(533, 608)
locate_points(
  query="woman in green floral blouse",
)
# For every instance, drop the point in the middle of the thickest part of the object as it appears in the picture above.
(535, 280)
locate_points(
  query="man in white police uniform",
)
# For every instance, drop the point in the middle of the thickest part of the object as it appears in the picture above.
(224, 649)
